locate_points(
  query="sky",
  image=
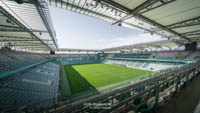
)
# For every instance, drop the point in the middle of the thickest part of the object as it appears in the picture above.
(77, 31)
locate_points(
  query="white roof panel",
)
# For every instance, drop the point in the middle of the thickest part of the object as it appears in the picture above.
(31, 20)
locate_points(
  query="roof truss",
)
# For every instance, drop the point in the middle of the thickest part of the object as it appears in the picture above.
(21, 27)
(192, 33)
(144, 7)
(185, 23)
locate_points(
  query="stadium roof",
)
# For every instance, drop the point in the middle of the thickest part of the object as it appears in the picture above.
(171, 19)
(150, 45)
(77, 50)
(26, 26)
(168, 18)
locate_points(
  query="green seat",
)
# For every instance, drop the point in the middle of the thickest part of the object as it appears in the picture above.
(140, 89)
(144, 108)
(121, 97)
(137, 101)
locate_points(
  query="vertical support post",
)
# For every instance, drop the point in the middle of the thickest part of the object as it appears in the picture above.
(54, 101)
(112, 101)
(177, 82)
(194, 74)
(187, 74)
(157, 94)
(35, 108)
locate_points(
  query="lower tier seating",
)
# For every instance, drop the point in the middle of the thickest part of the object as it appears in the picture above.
(30, 86)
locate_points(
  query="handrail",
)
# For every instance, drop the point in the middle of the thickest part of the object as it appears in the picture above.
(20, 69)
(157, 77)
(64, 104)
(148, 59)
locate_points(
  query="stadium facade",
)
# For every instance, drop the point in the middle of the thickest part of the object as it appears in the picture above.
(31, 63)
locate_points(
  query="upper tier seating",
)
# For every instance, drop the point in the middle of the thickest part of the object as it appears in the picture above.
(170, 55)
(178, 55)
(143, 65)
(78, 60)
(10, 60)
(130, 55)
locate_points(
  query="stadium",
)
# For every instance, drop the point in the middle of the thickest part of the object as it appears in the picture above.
(37, 76)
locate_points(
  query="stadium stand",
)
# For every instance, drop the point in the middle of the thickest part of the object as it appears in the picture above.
(180, 55)
(30, 82)
(175, 55)
(30, 86)
(156, 66)
(10, 60)
(132, 55)
(78, 60)
(41, 82)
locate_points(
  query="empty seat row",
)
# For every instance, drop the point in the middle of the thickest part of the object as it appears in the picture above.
(30, 86)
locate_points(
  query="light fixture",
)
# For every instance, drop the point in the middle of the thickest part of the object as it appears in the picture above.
(111, 10)
(116, 13)
(8, 21)
(120, 24)
(102, 6)
(119, 14)
(96, 4)
(91, 5)
(107, 8)
(86, 4)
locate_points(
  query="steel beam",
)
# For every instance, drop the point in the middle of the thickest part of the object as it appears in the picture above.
(185, 23)
(16, 43)
(116, 5)
(20, 30)
(28, 2)
(20, 38)
(145, 19)
(151, 4)
(34, 45)
(9, 16)
(84, 9)
(9, 28)
(5, 40)
(197, 37)
(145, 7)
(157, 4)
(16, 37)
(46, 23)
(191, 33)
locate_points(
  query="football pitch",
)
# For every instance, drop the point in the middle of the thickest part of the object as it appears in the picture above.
(87, 77)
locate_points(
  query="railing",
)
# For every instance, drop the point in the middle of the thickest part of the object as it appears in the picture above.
(123, 95)
(173, 75)
(21, 69)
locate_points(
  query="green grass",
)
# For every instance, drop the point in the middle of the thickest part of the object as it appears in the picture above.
(91, 76)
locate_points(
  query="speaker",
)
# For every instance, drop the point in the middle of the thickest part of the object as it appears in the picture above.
(52, 52)
(100, 54)
(20, 1)
(191, 46)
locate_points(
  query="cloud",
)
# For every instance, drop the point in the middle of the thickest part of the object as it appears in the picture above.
(129, 40)
(108, 42)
